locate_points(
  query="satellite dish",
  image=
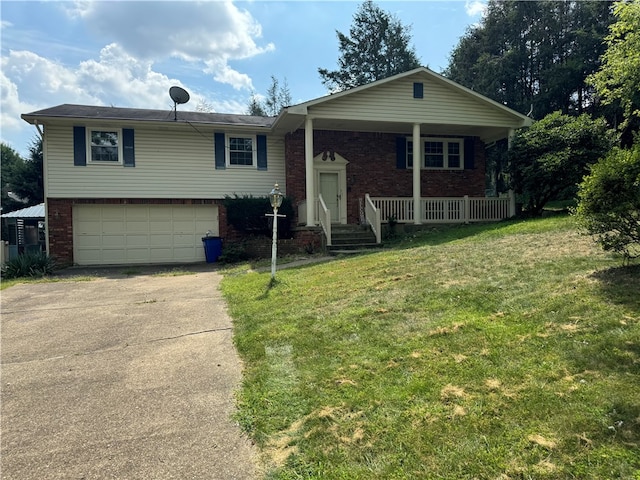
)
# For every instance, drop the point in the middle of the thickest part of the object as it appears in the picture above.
(179, 96)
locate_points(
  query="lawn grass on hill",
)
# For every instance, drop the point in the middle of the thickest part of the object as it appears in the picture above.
(501, 351)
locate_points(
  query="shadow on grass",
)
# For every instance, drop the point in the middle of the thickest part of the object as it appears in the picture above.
(440, 234)
(621, 285)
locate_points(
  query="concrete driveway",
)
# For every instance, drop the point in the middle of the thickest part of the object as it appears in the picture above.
(120, 377)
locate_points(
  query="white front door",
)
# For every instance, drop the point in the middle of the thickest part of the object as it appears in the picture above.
(330, 191)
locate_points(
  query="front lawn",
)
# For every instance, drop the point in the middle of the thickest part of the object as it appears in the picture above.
(500, 351)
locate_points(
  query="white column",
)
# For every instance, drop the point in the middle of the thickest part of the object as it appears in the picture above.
(308, 168)
(417, 165)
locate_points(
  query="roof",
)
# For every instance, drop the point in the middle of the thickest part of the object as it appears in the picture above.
(145, 115)
(36, 211)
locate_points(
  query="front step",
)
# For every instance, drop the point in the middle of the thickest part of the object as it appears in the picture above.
(351, 239)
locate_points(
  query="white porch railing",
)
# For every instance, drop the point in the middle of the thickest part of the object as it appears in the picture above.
(324, 216)
(372, 216)
(446, 209)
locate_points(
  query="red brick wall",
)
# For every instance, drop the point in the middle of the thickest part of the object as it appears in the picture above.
(60, 219)
(372, 169)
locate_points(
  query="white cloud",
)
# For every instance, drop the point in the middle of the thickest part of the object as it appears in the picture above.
(475, 7)
(209, 33)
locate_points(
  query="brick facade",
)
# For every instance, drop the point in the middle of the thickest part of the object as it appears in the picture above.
(373, 169)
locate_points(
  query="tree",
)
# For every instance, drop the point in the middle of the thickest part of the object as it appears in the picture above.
(277, 98)
(549, 159)
(29, 182)
(377, 47)
(609, 201)
(618, 79)
(534, 56)
(11, 162)
(255, 107)
(22, 177)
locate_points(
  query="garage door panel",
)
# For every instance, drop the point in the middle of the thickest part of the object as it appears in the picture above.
(113, 241)
(160, 240)
(125, 234)
(137, 240)
(113, 227)
(91, 241)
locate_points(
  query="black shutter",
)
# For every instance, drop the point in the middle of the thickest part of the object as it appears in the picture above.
(218, 139)
(261, 140)
(128, 151)
(401, 152)
(469, 153)
(79, 146)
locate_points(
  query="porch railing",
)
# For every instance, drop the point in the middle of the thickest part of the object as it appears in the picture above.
(372, 216)
(446, 209)
(324, 216)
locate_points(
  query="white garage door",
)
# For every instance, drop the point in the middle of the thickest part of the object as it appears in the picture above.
(128, 234)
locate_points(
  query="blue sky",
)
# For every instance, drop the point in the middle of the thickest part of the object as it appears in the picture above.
(129, 53)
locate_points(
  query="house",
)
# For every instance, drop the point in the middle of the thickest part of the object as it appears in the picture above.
(127, 185)
(23, 231)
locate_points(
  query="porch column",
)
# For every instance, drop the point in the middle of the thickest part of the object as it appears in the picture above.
(308, 169)
(511, 133)
(417, 167)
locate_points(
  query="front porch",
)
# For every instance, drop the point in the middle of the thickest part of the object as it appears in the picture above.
(375, 211)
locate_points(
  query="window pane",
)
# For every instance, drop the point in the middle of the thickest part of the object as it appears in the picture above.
(409, 154)
(240, 151)
(434, 154)
(453, 157)
(104, 146)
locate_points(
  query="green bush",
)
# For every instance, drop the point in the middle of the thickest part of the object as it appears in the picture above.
(247, 214)
(609, 202)
(233, 253)
(29, 265)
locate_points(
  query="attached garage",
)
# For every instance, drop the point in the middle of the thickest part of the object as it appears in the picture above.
(140, 233)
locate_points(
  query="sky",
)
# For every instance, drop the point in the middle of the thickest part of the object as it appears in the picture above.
(129, 53)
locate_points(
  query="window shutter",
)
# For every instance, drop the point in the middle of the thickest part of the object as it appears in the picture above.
(469, 153)
(128, 150)
(79, 146)
(218, 140)
(401, 152)
(261, 140)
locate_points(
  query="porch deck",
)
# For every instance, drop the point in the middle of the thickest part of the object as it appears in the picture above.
(433, 210)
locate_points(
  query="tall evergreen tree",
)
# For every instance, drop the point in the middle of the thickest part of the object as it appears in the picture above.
(534, 55)
(278, 96)
(378, 46)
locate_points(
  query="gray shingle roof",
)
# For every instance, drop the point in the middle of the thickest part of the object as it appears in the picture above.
(145, 115)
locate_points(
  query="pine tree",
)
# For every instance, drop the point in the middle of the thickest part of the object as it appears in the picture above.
(378, 46)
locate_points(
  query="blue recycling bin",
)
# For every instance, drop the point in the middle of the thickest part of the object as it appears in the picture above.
(212, 248)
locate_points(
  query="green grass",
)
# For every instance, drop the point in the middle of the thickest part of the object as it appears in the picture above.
(504, 351)
(6, 283)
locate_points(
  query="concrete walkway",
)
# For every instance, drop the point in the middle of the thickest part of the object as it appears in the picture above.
(120, 377)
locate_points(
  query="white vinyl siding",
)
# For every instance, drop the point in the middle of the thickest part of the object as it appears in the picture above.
(394, 101)
(130, 234)
(170, 163)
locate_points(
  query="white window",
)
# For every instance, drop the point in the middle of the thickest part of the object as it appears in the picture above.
(241, 151)
(439, 153)
(104, 146)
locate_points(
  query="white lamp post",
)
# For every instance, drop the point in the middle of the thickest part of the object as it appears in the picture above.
(275, 197)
